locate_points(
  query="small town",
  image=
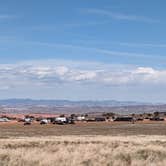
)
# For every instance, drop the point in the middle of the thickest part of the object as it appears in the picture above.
(63, 119)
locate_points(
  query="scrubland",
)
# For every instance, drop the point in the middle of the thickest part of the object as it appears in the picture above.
(83, 151)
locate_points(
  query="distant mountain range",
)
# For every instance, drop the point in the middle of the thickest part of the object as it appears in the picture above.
(89, 103)
(65, 106)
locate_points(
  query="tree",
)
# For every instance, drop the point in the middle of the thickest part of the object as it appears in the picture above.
(156, 114)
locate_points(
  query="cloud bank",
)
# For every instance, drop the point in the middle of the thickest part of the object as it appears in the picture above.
(51, 73)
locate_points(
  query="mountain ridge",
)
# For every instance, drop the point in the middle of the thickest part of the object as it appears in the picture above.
(54, 102)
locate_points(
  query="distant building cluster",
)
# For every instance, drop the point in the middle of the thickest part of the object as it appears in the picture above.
(76, 118)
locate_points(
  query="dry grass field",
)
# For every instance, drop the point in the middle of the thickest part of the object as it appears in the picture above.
(8, 130)
(83, 144)
(84, 151)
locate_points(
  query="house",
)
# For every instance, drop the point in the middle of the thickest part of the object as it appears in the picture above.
(157, 119)
(44, 121)
(60, 120)
(80, 118)
(123, 118)
(100, 119)
(4, 120)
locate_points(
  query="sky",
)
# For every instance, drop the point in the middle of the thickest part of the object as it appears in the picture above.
(83, 50)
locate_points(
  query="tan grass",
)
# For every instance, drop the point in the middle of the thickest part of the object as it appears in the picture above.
(84, 151)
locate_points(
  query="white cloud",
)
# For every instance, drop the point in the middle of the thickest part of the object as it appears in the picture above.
(48, 74)
(62, 70)
(4, 87)
(145, 45)
(120, 16)
(144, 70)
(82, 75)
(80, 50)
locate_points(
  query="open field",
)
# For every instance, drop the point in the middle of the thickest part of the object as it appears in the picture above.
(84, 151)
(83, 144)
(8, 130)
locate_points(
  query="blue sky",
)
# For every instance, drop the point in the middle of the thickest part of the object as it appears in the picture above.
(109, 49)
